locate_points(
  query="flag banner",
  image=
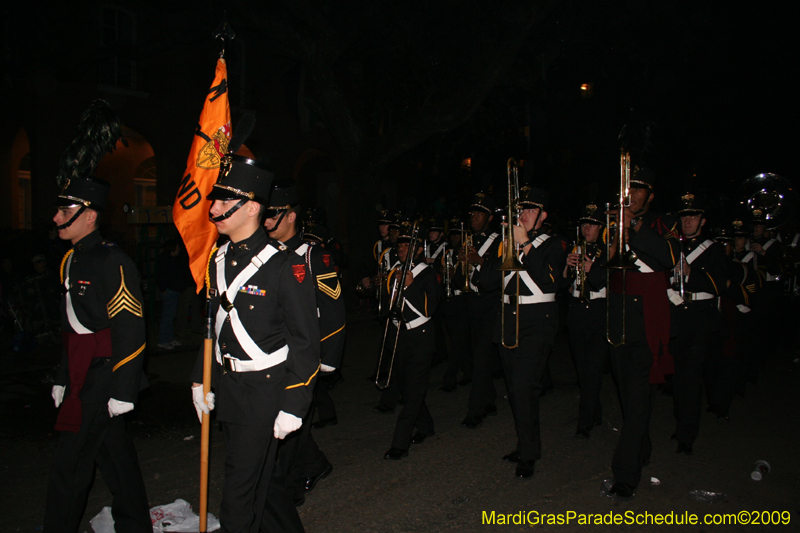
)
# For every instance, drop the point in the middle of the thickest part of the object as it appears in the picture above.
(211, 138)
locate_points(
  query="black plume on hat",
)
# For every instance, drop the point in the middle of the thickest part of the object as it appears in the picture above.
(98, 132)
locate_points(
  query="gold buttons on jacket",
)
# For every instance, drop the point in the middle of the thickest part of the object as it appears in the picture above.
(233, 262)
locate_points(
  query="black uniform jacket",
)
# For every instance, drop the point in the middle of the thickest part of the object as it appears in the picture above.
(708, 275)
(104, 288)
(656, 245)
(330, 302)
(277, 307)
(596, 277)
(476, 279)
(422, 293)
(544, 264)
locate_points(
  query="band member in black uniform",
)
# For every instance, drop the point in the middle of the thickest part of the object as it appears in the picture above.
(697, 325)
(267, 346)
(456, 313)
(724, 367)
(300, 457)
(319, 235)
(524, 350)
(416, 304)
(370, 283)
(767, 258)
(483, 305)
(586, 317)
(104, 339)
(435, 249)
(644, 359)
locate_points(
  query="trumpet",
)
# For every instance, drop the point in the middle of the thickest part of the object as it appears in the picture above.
(511, 262)
(623, 259)
(448, 284)
(397, 304)
(466, 244)
(580, 270)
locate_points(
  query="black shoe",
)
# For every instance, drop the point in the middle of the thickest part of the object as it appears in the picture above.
(683, 448)
(465, 381)
(380, 408)
(311, 482)
(620, 491)
(524, 469)
(491, 410)
(447, 388)
(419, 437)
(298, 502)
(512, 457)
(471, 422)
(395, 454)
(723, 419)
(582, 433)
(324, 422)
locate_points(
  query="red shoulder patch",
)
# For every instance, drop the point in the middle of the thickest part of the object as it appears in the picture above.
(326, 258)
(299, 272)
(564, 245)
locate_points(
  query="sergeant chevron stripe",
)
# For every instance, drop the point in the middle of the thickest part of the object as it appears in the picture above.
(123, 300)
(333, 293)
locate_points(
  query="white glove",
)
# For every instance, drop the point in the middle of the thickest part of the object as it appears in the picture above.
(202, 406)
(57, 392)
(326, 368)
(116, 407)
(285, 423)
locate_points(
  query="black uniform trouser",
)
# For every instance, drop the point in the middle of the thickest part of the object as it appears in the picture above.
(631, 364)
(587, 341)
(457, 322)
(299, 455)
(255, 483)
(483, 311)
(323, 402)
(414, 358)
(524, 368)
(105, 443)
(689, 349)
(437, 320)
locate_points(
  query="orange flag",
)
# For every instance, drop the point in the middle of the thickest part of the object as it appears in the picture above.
(211, 139)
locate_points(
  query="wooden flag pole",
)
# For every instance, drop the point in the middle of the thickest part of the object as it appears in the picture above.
(205, 430)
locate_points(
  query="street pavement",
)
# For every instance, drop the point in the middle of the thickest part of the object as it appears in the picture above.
(456, 479)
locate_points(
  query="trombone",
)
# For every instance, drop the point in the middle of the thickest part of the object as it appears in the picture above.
(623, 260)
(511, 262)
(397, 303)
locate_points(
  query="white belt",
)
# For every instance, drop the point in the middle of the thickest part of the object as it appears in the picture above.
(262, 362)
(533, 299)
(593, 295)
(697, 296)
(413, 323)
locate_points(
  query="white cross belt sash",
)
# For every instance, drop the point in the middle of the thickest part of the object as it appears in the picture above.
(421, 318)
(438, 251)
(260, 360)
(537, 295)
(472, 268)
(77, 327)
(698, 251)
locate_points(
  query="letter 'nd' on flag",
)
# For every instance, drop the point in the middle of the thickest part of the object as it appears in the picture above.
(211, 139)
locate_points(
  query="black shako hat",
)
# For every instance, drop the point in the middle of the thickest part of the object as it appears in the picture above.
(385, 216)
(692, 204)
(455, 225)
(592, 215)
(98, 131)
(282, 198)
(435, 224)
(642, 178)
(406, 230)
(533, 197)
(243, 178)
(88, 192)
(482, 202)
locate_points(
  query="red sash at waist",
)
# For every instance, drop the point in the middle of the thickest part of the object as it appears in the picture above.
(81, 349)
(652, 288)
